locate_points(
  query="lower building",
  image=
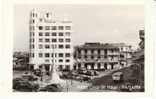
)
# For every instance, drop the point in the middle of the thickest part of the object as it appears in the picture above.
(97, 56)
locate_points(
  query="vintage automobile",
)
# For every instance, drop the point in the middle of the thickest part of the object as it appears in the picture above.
(20, 84)
(117, 77)
(38, 72)
(52, 88)
(29, 77)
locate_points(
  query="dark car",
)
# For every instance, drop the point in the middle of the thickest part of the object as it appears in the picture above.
(29, 77)
(82, 71)
(64, 75)
(117, 77)
(89, 73)
(20, 84)
(52, 88)
(38, 72)
(86, 78)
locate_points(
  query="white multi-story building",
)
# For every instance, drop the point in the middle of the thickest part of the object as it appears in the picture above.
(50, 42)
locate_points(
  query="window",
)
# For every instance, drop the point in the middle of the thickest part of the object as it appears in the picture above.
(40, 34)
(60, 54)
(32, 55)
(99, 51)
(47, 55)
(68, 46)
(60, 60)
(79, 57)
(85, 56)
(85, 51)
(33, 21)
(67, 60)
(60, 33)
(53, 28)
(33, 14)
(40, 40)
(67, 67)
(32, 34)
(53, 46)
(40, 27)
(32, 28)
(60, 27)
(67, 54)
(47, 46)
(67, 33)
(55, 54)
(60, 40)
(47, 40)
(52, 54)
(32, 40)
(60, 67)
(105, 56)
(68, 27)
(32, 46)
(47, 60)
(47, 15)
(99, 56)
(47, 27)
(52, 61)
(92, 57)
(40, 19)
(40, 46)
(68, 40)
(121, 56)
(40, 55)
(54, 40)
(61, 46)
(92, 51)
(47, 34)
(54, 34)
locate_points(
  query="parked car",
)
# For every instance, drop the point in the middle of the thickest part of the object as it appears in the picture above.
(86, 78)
(89, 73)
(78, 77)
(96, 73)
(52, 88)
(64, 75)
(29, 77)
(20, 84)
(38, 72)
(82, 71)
(117, 77)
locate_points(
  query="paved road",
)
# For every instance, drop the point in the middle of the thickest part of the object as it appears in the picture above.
(68, 85)
(75, 86)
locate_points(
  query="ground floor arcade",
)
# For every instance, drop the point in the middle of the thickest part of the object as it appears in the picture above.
(96, 66)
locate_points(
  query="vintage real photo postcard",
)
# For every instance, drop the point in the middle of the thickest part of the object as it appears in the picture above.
(78, 48)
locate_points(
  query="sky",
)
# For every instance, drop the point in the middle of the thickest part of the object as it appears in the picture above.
(91, 23)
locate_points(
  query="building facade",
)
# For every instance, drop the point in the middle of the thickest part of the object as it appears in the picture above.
(99, 56)
(125, 53)
(50, 42)
(142, 38)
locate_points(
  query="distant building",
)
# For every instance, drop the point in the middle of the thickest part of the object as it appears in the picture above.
(20, 60)
(142, 38)
(101, 56)
(138, 56)
(50, 42)
(125, 53)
